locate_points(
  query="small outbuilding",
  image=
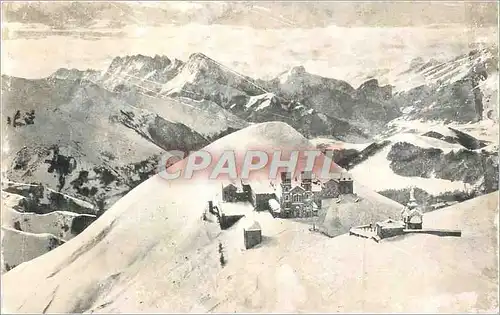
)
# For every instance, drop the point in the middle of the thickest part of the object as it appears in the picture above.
(389, 228)
(252, 235)
(414, 220)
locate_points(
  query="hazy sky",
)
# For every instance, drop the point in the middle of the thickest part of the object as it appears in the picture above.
(350, 41)
(259, 14)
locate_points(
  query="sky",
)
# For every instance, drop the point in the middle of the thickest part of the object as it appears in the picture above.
(261, 14)
(350, 41)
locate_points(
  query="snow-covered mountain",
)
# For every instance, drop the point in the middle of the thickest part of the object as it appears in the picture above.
(443, 164)
(366, 107)
(201, 78)
(462, 89)
(26, 235)
(72, 145)
(142, 71)
(85, 137)
(183, 263)
(459, 90)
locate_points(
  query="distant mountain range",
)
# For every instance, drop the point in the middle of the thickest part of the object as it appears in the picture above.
(255, 14)
(79, 140)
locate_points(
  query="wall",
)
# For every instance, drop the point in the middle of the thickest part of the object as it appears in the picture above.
(262, 201)
(331, 190)
(385, 232)
(252, 238)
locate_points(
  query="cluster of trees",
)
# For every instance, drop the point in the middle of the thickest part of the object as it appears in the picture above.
(17, 121)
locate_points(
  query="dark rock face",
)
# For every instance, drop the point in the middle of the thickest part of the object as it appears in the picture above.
(462, 165)
(454, 96)
(81, 223)
(38, 199)
(19, 120)
(61, 165)
(348, 158)
(368, 108)
(54, 242)
(465, 140)
(452, 103)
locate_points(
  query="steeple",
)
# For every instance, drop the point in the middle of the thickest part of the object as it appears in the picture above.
(412, 204)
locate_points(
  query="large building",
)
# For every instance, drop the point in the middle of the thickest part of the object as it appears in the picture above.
(296, 198)
(292, 197)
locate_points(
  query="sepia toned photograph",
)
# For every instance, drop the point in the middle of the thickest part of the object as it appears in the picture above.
(249, 157)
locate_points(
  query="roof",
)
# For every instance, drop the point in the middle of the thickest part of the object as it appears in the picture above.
(415, 213)
(298, 187)
(254, 226)
(391, 224)
(228, 186)
(274, 205)
(234, 183)
(415, 219)
(260, 187)
(235, 208)
(316, 188)
(412, 204)
(339, 176)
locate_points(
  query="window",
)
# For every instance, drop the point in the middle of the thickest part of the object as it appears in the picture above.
(287, 198)
(297, 198)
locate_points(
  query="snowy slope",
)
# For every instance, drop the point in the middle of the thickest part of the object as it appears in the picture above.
(426, 162)
(30, 233)
(19, 246)
(63, 224)
(153, 252)
(173, 221)
(114, 266)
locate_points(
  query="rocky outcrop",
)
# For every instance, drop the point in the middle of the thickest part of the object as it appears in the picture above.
(366, 108)
(144, 73)
(471, 167)
(457, 90)
(80, 143)
(458, 137)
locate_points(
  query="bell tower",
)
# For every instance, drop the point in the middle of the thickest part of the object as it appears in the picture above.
(286, 186)
(412, 204)
(306, 180)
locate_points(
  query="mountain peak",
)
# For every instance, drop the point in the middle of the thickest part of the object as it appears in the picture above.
(298, 70)
(199, 61)
(140, 62)
(75, 74)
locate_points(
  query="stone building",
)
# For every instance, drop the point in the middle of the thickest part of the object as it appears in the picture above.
(234, 192)
(292, 198)
(252, 235)
(389, 228)
(260, 194)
